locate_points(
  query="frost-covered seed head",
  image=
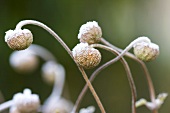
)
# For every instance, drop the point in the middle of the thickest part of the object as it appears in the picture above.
(26, 102)
(86, 56)
(146, 51)
(51, 69)
(90, 33)
(24, 61)
(19, 39)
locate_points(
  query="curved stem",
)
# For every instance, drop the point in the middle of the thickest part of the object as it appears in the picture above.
(6, 105)
(59, 84)
(57, 88)
(41, 52)
(147, 74)
(138, 40)
(25, 22)
(95, 73)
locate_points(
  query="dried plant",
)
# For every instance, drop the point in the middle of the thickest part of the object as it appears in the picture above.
(86, 56)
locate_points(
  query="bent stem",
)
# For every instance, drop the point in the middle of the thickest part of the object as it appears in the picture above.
(6, 105)
(138, 40)
(25, 22)
(57, 88)
(95, 73)
(34, 22)
(147, 74)
(41, 52)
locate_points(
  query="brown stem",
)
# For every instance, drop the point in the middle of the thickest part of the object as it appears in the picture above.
(92, 90)
(147, 74)
(34, 22)
(95, 73)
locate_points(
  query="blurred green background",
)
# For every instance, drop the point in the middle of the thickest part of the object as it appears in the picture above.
(121, 21)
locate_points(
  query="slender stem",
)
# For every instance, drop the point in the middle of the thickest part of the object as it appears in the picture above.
(138, 40)
(129, 75)
(34, 22)
(59, 81)
(57, 88)
(41, 52)
(147, 74)
(150, 84)
(92, 90)
(6, 105)
(95, 73)
(132, 85)
(25, 22)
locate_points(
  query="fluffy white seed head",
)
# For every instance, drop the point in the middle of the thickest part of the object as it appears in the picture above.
(90, 33)
(24, 61)
(86, 56)
(26, 102)
(50, 70)
(90, 109)
(146, 51)
(19, 39)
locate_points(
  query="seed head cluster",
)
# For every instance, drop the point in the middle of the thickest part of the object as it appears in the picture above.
(26, 102)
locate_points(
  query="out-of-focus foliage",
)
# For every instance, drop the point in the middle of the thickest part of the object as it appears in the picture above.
(121, 21)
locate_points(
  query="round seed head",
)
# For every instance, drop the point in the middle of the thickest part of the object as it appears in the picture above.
(146, 51)
(19, 39)
(26, 102)
(86, 56)
(24, 61)
(90, 33)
